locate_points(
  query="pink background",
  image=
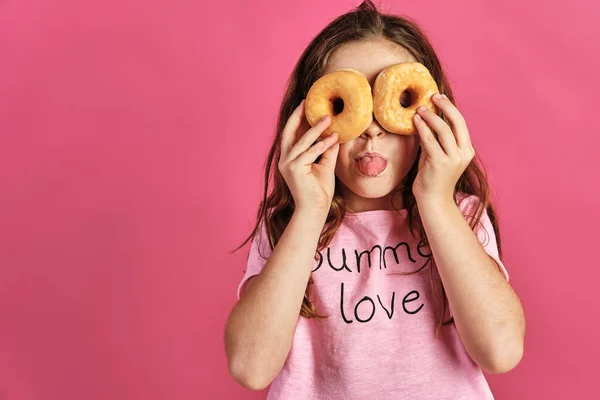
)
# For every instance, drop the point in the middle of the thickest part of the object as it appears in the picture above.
(133, 135)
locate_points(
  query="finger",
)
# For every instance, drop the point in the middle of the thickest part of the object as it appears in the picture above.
(309, 156)
(456, 120)
(428, 141)
(445, 134)
(288, 135)
(309, 137)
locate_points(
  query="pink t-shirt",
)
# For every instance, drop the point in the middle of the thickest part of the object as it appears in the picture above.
(379, 341)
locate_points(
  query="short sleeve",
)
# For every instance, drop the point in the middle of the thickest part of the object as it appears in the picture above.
(484, 230)
(259, 253)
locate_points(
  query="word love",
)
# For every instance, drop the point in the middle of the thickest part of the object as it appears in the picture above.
(368, 310)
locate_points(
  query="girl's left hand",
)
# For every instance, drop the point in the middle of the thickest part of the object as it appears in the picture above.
(440, 167)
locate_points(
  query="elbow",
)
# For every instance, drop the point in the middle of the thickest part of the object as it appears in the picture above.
(248, 377)
(506, 352)
(246, 364)
(504, 360)
(243, 368)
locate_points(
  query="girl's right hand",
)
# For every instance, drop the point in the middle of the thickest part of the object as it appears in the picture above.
(311, 184)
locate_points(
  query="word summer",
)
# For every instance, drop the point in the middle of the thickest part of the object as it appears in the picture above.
(378, 255)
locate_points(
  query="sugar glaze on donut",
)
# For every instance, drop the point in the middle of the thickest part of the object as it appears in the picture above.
(390, 84)
(345, 95)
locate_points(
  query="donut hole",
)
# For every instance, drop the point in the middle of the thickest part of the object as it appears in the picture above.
(338, 105)
(406, 98)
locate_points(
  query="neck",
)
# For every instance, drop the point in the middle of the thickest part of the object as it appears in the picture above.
(356, 203)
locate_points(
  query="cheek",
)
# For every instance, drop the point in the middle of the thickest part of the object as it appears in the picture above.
(344, 160)
(344, 154)
(411, 144)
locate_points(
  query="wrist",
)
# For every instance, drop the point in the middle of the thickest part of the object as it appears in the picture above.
(312, 214)
(434, 201)
(433, 206)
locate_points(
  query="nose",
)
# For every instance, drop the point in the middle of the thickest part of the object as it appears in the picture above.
(374, 130)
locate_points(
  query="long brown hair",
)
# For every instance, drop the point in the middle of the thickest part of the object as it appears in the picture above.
(277, 207)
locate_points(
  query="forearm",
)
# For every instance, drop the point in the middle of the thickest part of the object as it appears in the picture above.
(261, 326)
(487, 312)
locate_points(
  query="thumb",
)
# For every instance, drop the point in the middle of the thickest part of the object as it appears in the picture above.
(329, 157)
(422, 159)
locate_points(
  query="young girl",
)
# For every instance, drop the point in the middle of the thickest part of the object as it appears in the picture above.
(374, 270)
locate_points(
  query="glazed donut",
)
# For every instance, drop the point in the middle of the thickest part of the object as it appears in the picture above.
(388, 88)
(344, 94)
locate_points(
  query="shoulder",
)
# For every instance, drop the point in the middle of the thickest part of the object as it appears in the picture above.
(260, 239)
(468, 204)
(463, 199)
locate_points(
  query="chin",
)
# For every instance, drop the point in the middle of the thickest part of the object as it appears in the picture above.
(372, 192)
(370, 188)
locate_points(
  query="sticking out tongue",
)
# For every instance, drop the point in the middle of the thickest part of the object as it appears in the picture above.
(371, 166)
